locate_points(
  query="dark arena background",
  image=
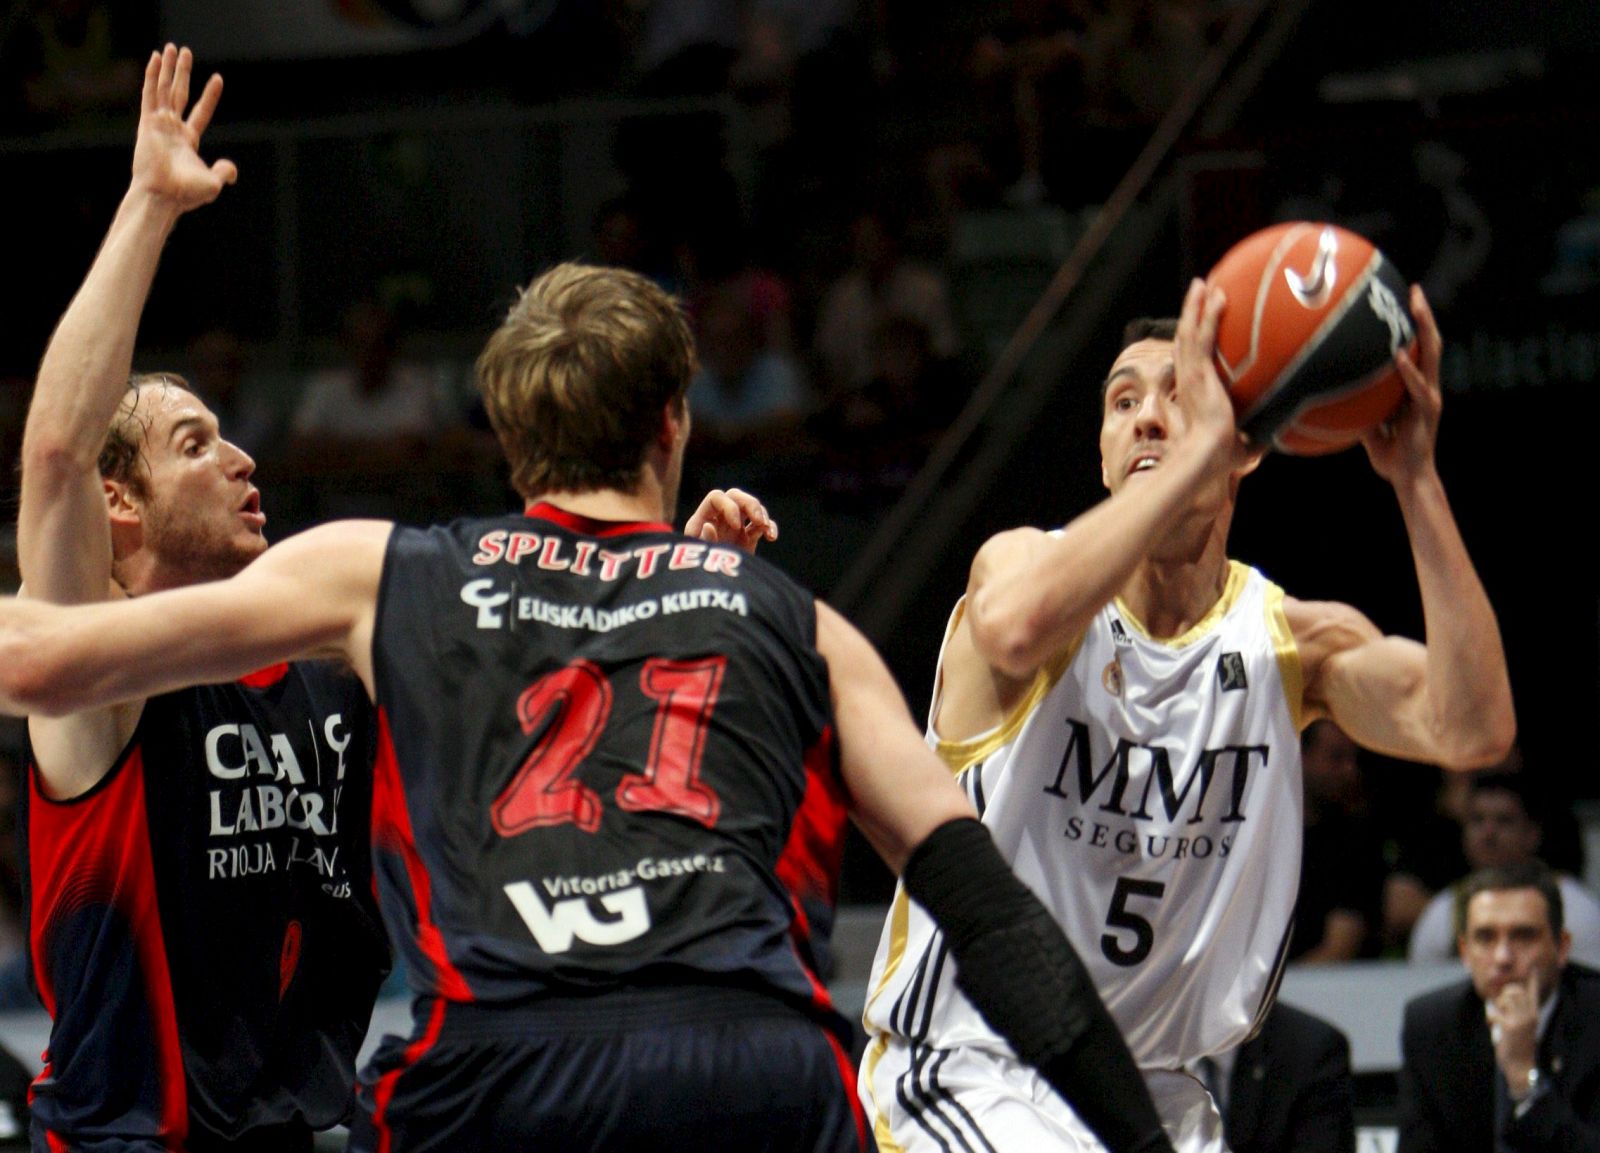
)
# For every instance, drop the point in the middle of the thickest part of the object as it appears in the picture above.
(414, 161)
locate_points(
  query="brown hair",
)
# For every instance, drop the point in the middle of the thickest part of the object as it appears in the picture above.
(1149, 328)
(1521, 875)
(122, 455)
(576, 377)
(1143, 328)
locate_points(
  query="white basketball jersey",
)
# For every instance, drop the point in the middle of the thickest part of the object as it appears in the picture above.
(1148, 791)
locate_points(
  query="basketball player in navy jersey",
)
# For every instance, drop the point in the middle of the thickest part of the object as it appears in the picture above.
(1122, 703)
(594, 737)
(203, 930)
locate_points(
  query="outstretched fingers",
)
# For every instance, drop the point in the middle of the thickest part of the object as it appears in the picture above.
(152, 84)
(1211, 304)
(1193, 304)
(200, 116)
(1197, 323)
(180, 80)
(166, 154)
(169, 67)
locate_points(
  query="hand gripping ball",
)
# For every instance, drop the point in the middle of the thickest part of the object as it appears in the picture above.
(1306, 341)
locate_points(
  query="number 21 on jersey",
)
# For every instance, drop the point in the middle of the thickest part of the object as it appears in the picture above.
(572, 705)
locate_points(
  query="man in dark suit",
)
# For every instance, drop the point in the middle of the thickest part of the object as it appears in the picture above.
(1288, 1089)
(1510, 1059)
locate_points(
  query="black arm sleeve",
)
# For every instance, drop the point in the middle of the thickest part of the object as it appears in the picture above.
(1017, 967)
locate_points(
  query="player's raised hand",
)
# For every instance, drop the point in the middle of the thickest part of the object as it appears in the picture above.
(1403, 445)
(1207, 411)
(166, 155)
(732, 516)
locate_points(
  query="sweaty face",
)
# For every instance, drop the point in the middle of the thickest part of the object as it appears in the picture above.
(1508, 936)
(200, 514)
(1498, 830)
(1140, 415)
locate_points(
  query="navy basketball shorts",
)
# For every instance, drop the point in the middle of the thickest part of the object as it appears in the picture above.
(684, 1068)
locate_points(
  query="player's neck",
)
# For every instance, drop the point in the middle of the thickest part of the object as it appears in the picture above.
(1170, 597)
(608, 503)
(143, 573)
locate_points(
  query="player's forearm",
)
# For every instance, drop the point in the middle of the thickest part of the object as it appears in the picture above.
(40, 674)
(1019, 970)
(85, 368)
(57, 660)
(1026, 606)
(1468, 687)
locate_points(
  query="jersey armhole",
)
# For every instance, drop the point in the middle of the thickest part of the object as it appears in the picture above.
(1289, 669)
(36, 782)
(961, 755)
(391, 562)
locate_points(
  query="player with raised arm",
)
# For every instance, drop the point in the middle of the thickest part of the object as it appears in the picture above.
(594, 734)
(203, 930)
(1121, 703)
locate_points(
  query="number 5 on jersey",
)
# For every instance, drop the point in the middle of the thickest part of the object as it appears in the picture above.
(1121, 917)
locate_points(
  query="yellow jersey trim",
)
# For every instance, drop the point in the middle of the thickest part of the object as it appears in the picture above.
(1237, 574)
(881, 1131)
(1294, 689)
(899, 931)
(962, 755)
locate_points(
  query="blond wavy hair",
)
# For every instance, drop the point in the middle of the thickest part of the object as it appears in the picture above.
(576, 377)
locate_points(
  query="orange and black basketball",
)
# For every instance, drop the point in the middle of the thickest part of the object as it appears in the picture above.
(1306, 341)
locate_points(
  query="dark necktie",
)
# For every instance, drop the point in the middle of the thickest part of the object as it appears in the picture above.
(1503, 1107)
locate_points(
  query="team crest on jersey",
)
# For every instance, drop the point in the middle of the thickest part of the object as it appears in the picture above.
(1119, 635)
(1111, 677)
(1230, 673)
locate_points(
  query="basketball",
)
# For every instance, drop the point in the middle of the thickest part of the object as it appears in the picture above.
(1306, 341)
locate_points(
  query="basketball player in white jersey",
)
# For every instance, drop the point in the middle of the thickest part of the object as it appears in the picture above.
(1122, 703)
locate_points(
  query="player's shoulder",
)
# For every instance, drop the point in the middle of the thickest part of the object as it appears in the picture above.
(1433, 1009)
(481, 540)
(1326, 626)
(1582, 982)
(1023, 536)
(1006, 548)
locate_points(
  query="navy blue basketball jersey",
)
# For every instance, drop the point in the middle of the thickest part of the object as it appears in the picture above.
(204, 931)
(594, 741)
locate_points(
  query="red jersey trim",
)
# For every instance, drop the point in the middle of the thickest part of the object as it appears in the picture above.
(847, 1074)
(588, 526)
(811, 859)
(383, 1092)
(267, 677)
(391, 829)
(94, 849)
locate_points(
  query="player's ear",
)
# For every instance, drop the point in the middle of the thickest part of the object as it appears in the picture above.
(121, 504)
(674, 423)
(1249, 462)
(126, 513)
